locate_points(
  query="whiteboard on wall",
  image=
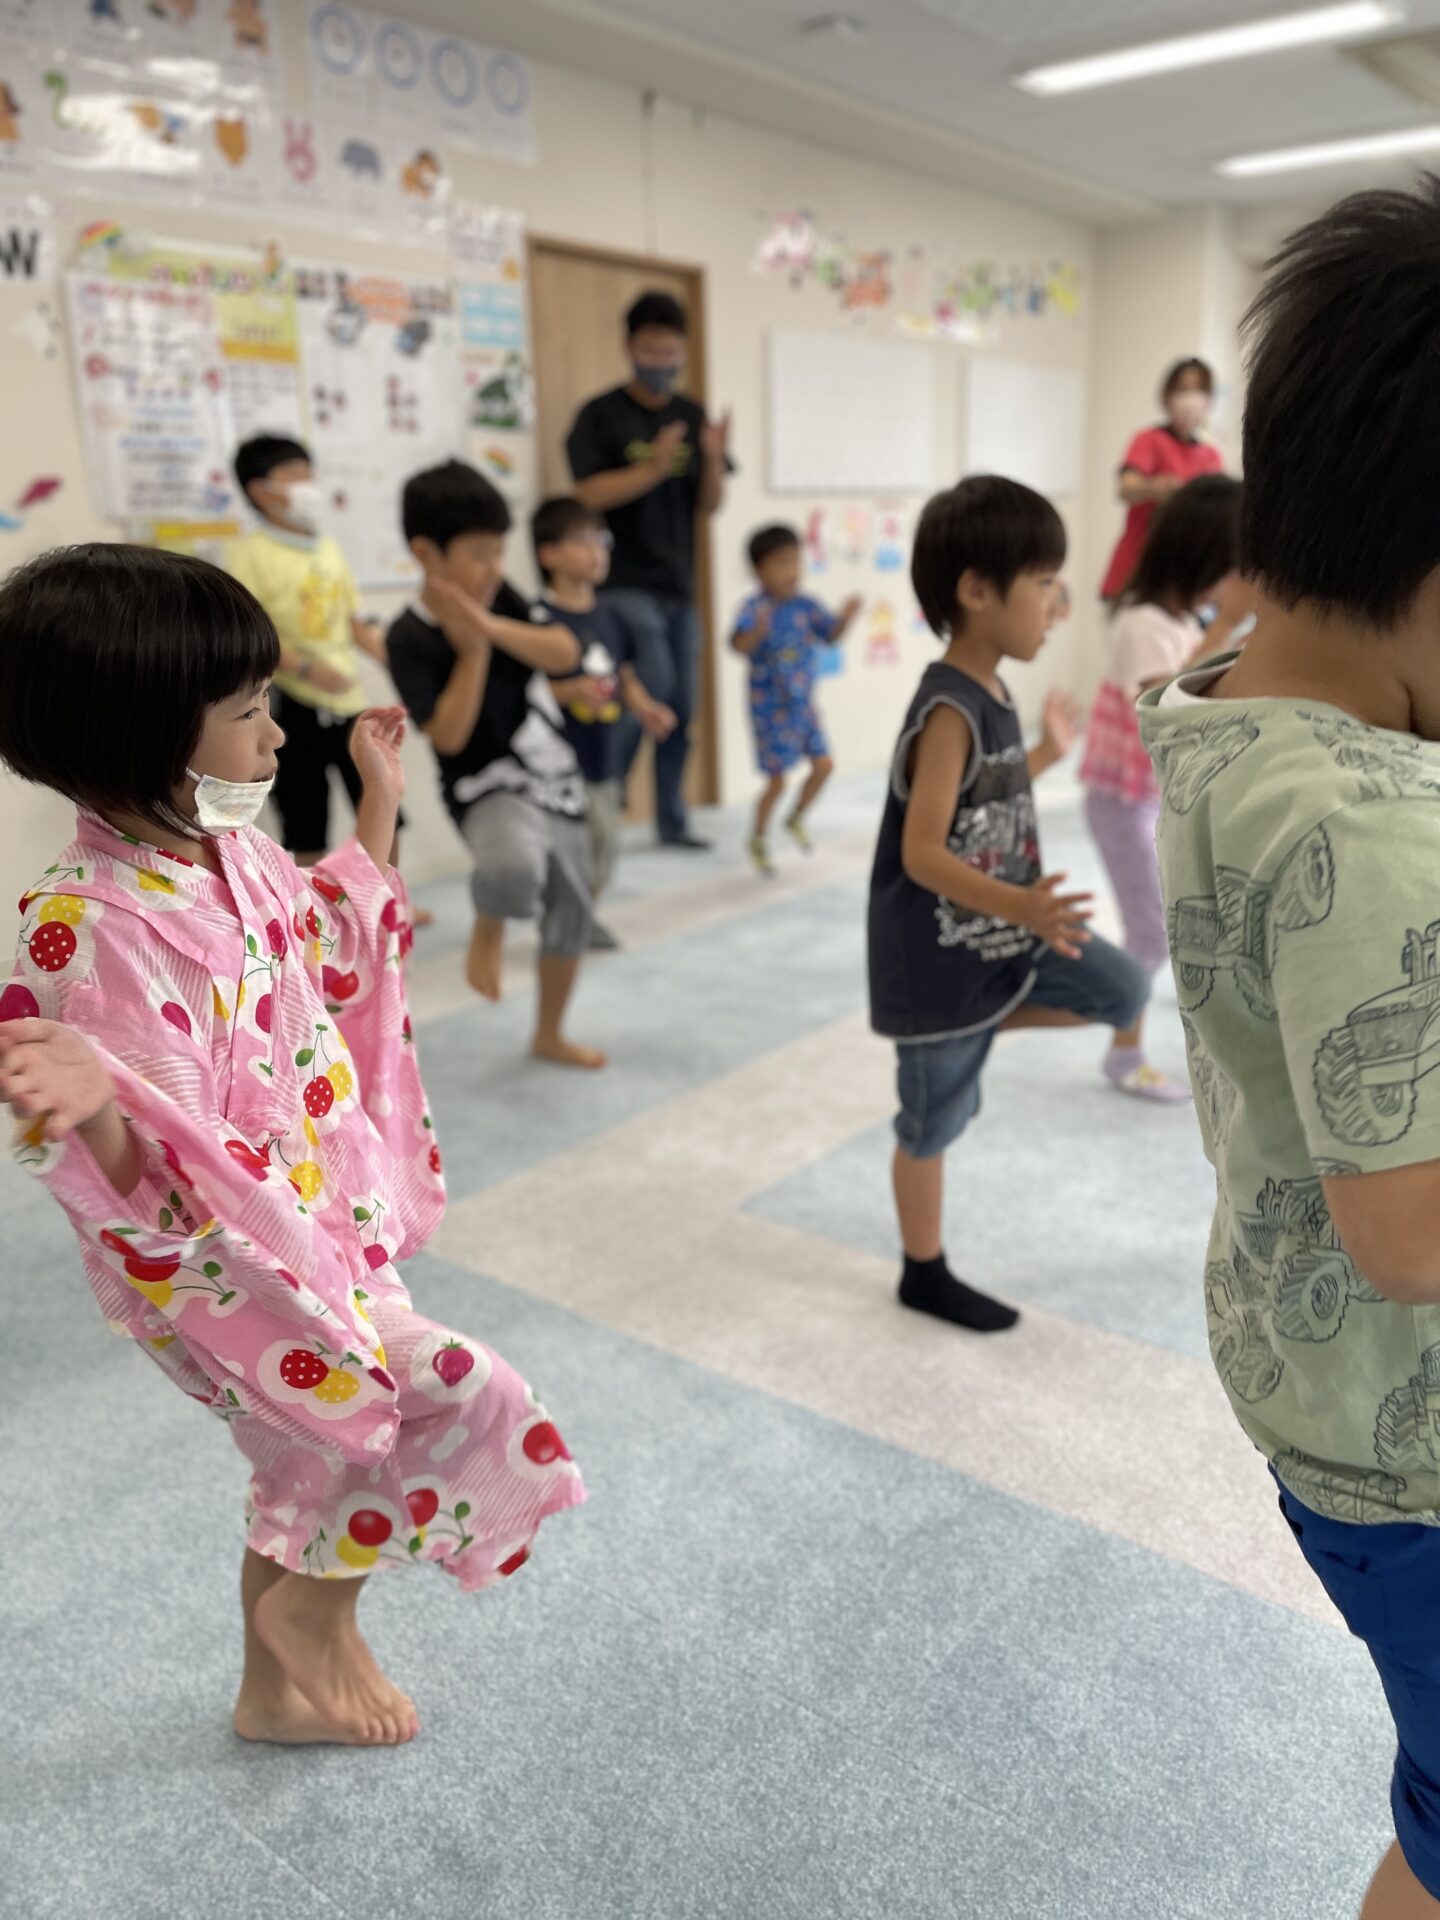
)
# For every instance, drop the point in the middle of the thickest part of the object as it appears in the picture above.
(1025, 422)
(849, 414)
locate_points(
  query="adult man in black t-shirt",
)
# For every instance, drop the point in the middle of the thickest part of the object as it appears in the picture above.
(647, 458)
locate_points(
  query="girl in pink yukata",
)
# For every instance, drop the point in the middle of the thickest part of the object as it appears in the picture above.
(210, 1061)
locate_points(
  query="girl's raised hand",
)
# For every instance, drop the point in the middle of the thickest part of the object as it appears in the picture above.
(49, 1069)
(375, 748)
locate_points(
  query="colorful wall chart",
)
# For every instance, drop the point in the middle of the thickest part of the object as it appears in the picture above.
(384, 397)
(185, 103)
(370, 69)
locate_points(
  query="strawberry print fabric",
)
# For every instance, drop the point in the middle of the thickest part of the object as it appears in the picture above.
(255, 1025)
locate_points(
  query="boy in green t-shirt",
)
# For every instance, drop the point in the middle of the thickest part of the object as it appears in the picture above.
(1299, 847)
(302, 579)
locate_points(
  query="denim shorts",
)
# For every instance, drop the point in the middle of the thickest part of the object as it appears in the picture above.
(1385, 1582)
(939, 1080)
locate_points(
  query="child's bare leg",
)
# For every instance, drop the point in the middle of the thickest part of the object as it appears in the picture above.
(487, 952)
(269, 1706)
(919, 1200)
(1395, 1893)
(308, 1627)
(558, 972)
(767, 803)
(821, 768)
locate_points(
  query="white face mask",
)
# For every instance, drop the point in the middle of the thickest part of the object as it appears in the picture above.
(305, 504)
(1188, 410)
(223, 804)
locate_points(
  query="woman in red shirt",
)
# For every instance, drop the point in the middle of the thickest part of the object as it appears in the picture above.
(1160, 459)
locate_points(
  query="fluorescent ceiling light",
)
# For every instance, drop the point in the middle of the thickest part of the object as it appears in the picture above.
(1373, 146)
(1317, 25)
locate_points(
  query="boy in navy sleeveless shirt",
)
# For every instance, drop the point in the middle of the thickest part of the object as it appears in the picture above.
(967, 934)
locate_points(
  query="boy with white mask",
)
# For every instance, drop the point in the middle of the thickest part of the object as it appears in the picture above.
(301, 577)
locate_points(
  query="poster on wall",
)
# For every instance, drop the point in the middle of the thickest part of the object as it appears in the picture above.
(178, 357)
(487, 248)
(154, 407)
(378, 72)
(384, 397)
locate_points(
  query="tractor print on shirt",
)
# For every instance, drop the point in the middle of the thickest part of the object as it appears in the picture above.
(1188, 760)
(1407, 1425)
(1234, 929)
(1367, 1071)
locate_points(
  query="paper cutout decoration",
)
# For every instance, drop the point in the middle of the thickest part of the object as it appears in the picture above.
(817, 554)
(889, 538)
(37, 491)
(40, 329)
(855, 536)
(882, 648)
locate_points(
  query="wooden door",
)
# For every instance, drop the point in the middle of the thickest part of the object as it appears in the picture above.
(578, 296)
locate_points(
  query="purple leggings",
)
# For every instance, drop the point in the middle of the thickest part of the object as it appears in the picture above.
(1124, 831)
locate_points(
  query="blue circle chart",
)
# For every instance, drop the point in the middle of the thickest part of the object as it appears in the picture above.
(454, 73)
(508, 84)
(398, 59)
(337, 39)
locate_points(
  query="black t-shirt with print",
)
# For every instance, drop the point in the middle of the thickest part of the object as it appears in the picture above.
(597, 742)
(518, 743)
(654, 535)
(937, 970)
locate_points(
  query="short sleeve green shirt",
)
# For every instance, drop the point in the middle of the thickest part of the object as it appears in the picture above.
(1300, 861)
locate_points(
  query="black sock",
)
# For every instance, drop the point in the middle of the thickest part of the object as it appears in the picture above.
(929, 1287)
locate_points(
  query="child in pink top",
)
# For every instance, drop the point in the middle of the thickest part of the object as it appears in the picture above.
(212, 1068)
(1189, 558)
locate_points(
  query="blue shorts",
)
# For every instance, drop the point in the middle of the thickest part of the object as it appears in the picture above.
(786, 735)
(1385, 1582)
(939, 1080)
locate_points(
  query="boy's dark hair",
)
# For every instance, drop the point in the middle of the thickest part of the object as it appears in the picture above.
(1193, 541)
(109, 656)
(257, 459)
(655, 310)
(1342, 415)
(443, 502)
(768, 540)
(556, 519)
(1178, 372)
(997, 526)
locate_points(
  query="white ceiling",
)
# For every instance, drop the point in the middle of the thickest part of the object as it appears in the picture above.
(948, 62)
(929, 87)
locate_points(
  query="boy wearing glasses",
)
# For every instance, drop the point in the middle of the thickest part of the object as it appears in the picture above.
(572, 551)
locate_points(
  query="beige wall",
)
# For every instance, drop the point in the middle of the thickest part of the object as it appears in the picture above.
(685, 185)
(1165, 287)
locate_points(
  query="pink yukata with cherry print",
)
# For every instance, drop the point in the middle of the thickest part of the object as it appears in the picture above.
(256, 1030)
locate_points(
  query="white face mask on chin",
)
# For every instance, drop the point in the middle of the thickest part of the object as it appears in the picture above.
(1188, 410)
(221, 805)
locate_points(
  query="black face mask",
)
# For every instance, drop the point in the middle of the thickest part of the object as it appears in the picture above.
(657, 380)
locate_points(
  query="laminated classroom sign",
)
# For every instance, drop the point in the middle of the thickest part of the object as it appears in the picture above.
(487, 249)
(383, 394)
(27, 241)
(154, 405)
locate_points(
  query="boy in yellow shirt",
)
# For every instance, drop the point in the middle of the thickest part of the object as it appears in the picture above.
(303, 580)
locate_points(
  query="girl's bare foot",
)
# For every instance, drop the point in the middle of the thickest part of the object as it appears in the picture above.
(284, 1717)
(309, 1626)
(565, 1053)
(482, 963)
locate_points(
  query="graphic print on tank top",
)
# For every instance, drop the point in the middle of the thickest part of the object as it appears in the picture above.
(995, 832)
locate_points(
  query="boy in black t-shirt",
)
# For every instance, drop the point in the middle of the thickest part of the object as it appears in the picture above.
(572, 551)
(967, 934)
(472, 669)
